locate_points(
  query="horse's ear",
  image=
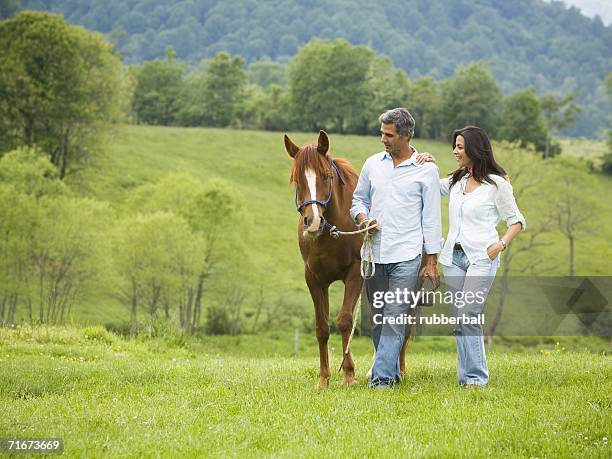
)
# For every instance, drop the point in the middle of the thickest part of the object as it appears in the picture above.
(323, 143)
(292, 149)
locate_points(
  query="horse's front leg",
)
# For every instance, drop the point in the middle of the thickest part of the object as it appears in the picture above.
(320, 299)
(344, 321)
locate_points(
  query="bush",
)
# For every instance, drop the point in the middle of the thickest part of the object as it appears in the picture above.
(99, 333)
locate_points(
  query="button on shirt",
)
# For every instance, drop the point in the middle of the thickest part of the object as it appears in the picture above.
(405, 200)
(473, 217)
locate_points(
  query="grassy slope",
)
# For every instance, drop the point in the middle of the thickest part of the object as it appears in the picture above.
(256, 164)
(109, 397)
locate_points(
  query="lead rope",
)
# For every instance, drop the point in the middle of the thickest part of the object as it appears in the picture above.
(367, 269)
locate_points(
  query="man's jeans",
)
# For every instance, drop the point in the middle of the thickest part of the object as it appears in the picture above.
(387, 338)
(460, 278)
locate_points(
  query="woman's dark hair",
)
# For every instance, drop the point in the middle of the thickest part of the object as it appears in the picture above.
(478, 148)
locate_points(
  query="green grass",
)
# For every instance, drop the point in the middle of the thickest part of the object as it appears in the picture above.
(110, 397)
(257, 166)
(589, 149)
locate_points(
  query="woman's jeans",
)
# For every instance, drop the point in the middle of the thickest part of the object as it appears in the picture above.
(389, 338)
(463, 277)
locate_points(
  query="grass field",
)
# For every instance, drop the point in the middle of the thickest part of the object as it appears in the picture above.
(248, 396)
(255, 164)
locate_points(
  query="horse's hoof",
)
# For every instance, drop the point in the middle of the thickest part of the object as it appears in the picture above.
(323, 383)
(350, 382)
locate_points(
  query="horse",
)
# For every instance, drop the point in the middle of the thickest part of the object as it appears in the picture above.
(323, 194)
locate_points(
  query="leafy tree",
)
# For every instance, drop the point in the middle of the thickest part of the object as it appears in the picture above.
(386, 87)
(327, 83)
(223, 86)
(425, 103)
(59, 84)
(472, 97)
(156, 256)
(216, 218)
(52, 247)
(266, 73)
(156, 95)
(559, 113)
(521, 119)
(264, 108)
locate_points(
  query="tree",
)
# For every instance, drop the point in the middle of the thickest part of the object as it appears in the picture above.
(327, 83)
(472, 97)
(156, 95)
(521, 119)
(425, 103)
(60, 85)
(386, 87)
(51, 247)
(526, 172)
(264, 108)
(606, 165)
(266, 73)
(156, 256)
(574, 212)
(559, 113)
(216, 219)
(223, 85)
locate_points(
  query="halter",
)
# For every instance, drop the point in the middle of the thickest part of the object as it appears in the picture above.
(332, 229)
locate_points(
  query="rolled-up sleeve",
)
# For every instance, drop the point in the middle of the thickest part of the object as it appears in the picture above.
(445, 186)
(362, 194)
(506, 206)
(431, 218)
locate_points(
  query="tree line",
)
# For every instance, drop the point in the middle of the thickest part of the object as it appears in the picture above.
(342, 88)
(167, 253)
(536, 43)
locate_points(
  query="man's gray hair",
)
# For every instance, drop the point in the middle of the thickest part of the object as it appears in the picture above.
(401, 118)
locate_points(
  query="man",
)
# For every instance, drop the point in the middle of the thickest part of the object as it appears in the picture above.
(404, 199)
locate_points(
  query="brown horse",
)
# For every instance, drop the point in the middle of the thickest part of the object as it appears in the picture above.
(323, 194)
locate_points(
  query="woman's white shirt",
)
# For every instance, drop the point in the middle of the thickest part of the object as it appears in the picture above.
(473, 217)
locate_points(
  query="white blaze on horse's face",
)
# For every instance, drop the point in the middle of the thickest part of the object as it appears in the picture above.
(311, 179)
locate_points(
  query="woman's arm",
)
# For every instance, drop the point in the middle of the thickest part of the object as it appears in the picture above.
(494, 249)
(510, 213)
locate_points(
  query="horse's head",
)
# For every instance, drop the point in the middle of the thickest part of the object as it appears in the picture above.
(312, 175)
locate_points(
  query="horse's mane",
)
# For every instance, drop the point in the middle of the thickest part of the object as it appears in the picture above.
(309, 158)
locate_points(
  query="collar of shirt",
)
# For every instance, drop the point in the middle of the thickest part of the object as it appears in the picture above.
(409, 162)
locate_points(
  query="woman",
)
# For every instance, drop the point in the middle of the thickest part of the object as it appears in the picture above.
(480, 196)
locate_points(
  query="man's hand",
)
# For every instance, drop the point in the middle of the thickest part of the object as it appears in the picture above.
(424, 157)
(371, 223)
(431, 269)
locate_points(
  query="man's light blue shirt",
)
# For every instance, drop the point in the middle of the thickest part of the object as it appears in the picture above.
(405, 199)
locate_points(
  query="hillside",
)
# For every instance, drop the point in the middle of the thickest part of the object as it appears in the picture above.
(256, 165)
(526, 42)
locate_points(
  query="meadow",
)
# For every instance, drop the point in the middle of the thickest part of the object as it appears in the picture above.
(165, 394)
(106, 396)
(256, 165)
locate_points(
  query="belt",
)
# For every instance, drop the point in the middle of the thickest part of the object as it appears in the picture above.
(458, 247)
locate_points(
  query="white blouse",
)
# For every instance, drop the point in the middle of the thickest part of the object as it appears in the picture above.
(473, 217)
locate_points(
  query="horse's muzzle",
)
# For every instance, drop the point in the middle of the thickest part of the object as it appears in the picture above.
(313, 228)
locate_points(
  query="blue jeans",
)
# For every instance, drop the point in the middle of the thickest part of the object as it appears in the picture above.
(388, 338)
(460, 278)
